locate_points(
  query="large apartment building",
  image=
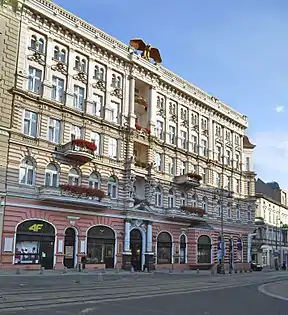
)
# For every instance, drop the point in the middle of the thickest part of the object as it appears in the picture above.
(111, 156)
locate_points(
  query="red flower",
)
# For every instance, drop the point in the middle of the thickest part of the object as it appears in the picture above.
(148, 131)
(195, 176)
(83, 190)
(192, 209)
(138, 127)
(85, 144)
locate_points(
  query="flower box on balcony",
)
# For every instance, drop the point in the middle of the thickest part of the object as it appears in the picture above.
(141, 164)
(140, 128)
(141, 101)
(83, 191)
(259, 220)
(84, 144)
(195, 210)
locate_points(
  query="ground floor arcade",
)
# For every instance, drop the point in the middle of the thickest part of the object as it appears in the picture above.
(37, 235)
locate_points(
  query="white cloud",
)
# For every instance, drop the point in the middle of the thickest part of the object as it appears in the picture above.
(279, 108)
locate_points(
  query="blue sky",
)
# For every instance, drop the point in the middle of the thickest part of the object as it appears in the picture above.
(234, 50)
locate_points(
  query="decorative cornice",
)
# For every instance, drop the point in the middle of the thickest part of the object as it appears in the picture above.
(92, 38)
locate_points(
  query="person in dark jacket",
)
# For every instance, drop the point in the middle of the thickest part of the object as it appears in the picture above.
(83, 262)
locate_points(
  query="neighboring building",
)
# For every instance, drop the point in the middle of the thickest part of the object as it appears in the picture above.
(105, 153)
(270, 245)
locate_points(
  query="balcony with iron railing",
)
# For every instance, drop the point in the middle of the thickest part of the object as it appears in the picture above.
(187, 213)
(79, 150)
(75, 194)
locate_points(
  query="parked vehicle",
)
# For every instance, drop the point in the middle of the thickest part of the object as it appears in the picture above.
(256, 267)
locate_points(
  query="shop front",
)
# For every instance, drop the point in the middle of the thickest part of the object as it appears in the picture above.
(35, 240)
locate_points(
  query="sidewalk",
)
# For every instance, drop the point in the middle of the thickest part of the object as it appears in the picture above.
(277, 290)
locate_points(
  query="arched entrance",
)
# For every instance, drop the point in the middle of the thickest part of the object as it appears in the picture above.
(136, 249)
(35, 241)
(183, 252)
(204, 250)
(101, 246)
(69, 248)
(164, 248)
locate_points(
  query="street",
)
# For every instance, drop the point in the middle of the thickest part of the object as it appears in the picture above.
(141, 293)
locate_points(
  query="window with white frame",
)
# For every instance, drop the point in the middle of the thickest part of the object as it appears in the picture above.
(194, 144)
(75, 132)
(113, 148)
(99, 73)
(57, 89)
(238, 213)
(218, 179)
(204, 124)
(118, 82)
(183, 113)
(194, 119)
(97, 105)
(171, 165)
(171, 199)
(113, 187)
(228, 157)
(41, 45)
(219, 153)
(79, 94)
(182, 168)
(229, 183)
(94, 181)
(34, 80)
(59, 54)
(54, 129)
(205, 204)
(77, 63)
(33, 42)
(228, 135)
(172, 108)
(183, 139)
(194, 200)
(73, 177)
(27, 172)
(237, 188)
(218, 130)
(204, 147)
(158, 197)
(113, 80)
(183, 199)
(229, 211)
(51, 175)
(247, 164)
(249, 214)
(95, 137)
(159, 129)
(37, 44)
(113, 112)
(172, 134)
(30, 121)
(158, 161)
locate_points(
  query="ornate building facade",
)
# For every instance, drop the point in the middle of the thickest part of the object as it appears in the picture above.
(270, 244)
(114, 157)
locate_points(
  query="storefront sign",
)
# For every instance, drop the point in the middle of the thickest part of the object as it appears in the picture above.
(35, 226)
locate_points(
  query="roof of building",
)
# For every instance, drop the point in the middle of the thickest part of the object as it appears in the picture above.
(247, 144)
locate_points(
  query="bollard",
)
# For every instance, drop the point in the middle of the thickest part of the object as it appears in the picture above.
(146, 270)
(79, 267)
(18, 271)
(132, 269)
(41, 270)
(65, 270)
(170, 271)
(153, 274)
(197, 271)
(245, 270)
(118, 269)
(212, 271)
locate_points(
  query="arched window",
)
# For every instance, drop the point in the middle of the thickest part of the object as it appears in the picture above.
(113, 83)
(73, 177)
(41, 45)
(194, 200)
(119, 84)
(113, 187)
(249, 214)
(158, 197)
(96, 73)
(56, 52)
(94, 181)
(101, 246)
(33, 42)
(158, 102)
(51, 175)
(204, 250)
(164, 248)
(83, 65)
(102, 72)
(183, 250)
(63, 56)
(218, 208)
(183, 199)
(205, 204)
(77, 63)
(171, 199)
(27, 172)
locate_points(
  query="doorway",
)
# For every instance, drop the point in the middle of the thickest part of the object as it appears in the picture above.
(69, 248)
(136, 249)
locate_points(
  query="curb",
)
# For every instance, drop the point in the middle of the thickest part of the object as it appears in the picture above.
(262, 289)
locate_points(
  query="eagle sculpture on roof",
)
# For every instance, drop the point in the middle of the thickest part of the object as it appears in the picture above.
(148, 52)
